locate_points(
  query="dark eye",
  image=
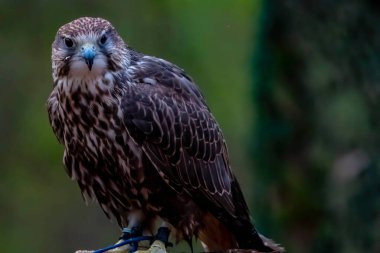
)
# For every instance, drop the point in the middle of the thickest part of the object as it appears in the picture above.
(68, 42)
(103, 40)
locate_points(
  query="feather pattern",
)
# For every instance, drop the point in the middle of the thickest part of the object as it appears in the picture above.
(139, 136)
(178, 132)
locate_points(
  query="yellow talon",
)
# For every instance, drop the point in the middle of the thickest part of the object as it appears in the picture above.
(156, 247)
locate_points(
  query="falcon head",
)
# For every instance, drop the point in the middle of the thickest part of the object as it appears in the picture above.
(88, 46)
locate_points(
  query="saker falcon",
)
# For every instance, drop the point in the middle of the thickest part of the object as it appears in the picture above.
(140, 139)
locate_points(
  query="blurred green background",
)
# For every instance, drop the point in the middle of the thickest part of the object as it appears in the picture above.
(294, 85)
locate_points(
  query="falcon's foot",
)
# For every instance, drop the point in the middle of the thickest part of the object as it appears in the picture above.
(160, 243)
(127, 248)
(156, 247)
(127, 234)
(121, 249)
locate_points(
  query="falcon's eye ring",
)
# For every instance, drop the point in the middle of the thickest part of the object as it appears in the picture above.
(103, 40)
(68, 42)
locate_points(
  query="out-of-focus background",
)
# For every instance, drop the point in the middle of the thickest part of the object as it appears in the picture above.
(295, 85)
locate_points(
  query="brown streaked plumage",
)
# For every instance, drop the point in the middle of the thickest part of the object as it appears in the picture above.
(139, 138)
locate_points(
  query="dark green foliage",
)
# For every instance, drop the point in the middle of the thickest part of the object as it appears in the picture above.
(316, 139)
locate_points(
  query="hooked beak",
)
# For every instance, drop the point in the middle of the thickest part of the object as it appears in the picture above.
(88, 52)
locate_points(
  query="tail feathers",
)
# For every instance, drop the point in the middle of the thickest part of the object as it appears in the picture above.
(215, 236)
(271, 245)
(256, 242)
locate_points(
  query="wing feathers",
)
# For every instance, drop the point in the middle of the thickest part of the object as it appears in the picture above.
(180, 136)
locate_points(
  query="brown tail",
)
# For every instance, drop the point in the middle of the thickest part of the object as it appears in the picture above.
(276, 248)
(215, 237)
(256, 242)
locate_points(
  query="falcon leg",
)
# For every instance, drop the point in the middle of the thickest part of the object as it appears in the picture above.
(133, 230)
(128, 233)
(160, 243)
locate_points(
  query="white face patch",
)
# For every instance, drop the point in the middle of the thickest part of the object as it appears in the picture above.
(78, 66)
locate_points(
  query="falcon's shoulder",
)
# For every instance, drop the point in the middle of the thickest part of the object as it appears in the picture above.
(161, 74)
(165, 112)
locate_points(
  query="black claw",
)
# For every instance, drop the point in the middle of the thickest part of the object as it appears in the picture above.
(189, 241)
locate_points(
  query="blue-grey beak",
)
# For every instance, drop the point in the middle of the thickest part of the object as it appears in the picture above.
(88, 52)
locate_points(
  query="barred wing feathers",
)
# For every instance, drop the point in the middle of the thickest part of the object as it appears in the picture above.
(166, 113)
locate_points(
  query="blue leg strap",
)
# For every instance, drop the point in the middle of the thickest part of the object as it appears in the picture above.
(128, 233)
